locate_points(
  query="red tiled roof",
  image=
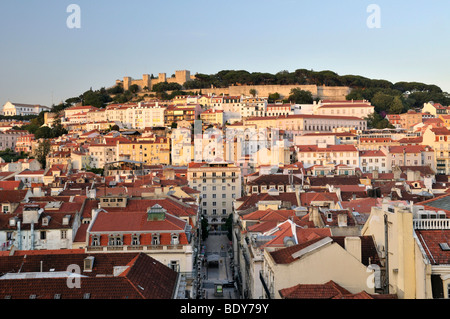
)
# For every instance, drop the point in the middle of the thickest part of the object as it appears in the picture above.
(329, 148)
(9, 185)
(12, 196)
(309, 197)
(125, 221)
(145, 278)
(410, 149)
(431, 239)
(329, 290)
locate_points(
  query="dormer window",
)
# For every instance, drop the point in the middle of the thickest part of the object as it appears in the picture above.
(96, 240)
(175, 240)
(45, 221)
(13, 221)
(115, 240)
(155, 239)
(135, 240)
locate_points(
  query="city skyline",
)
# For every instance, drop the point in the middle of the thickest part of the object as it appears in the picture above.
(45, 61)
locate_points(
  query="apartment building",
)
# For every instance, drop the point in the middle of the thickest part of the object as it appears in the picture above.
(377, 160)
(323, 154)
(438, 139)
(8, 139)
(42, 225)
(411, 155)
(24, 142)
(308, 123)
(154, 150)
(212, 116)
(219, 184)
(102, 153)
(360, 108)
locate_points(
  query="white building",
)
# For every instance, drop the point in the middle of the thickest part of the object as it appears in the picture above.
(11, 109)
(219, 184)
(359, 109)
(322, 154)
(374, 160)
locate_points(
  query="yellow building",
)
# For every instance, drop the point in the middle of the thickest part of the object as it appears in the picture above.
(154, 150)
(212, 116)
(399, 246)
(438, 138)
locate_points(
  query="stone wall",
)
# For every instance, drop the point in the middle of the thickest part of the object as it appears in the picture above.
(322, 92)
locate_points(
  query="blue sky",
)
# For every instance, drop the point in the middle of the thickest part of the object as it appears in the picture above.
(43, 61)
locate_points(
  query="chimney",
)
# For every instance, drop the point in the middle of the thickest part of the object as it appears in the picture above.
(342, 220)
(353, 246)
(375, 174)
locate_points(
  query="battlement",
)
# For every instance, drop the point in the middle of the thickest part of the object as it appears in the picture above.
(180, 77)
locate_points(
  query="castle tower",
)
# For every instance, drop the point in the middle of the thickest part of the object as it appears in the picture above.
(146, 81)
(126, 82)
(162, 77)
(182, 76)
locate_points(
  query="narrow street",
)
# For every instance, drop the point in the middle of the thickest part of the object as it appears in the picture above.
(216, 268)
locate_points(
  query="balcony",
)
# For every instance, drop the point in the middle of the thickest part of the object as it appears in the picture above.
(431, 223)
(143, 248)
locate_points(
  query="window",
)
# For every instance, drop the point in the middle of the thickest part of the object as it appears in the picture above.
(43, 235)
(174, 265)
(63, 234)
(115, 240)
(96, 240)
(135, 240)
(155, 239)
(175, 240)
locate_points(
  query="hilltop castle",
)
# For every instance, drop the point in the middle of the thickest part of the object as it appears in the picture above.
(183, 76)
(180, 77)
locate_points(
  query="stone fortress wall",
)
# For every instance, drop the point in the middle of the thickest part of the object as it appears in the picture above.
(322, 92)
(180, 77)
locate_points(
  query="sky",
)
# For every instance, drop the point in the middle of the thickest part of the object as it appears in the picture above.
(44, 61)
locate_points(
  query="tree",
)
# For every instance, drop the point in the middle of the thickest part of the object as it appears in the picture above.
(274, 97)
(397, 106)
(204, 225)
(252, 92)
(58, 129)
(42, 151)
(43, 132)
(382, 101)
(299, 96)
(229, 227)
(376, 121)
(134, 88)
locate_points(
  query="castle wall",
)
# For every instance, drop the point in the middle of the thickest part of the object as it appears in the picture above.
(337, 93)
(326, 93)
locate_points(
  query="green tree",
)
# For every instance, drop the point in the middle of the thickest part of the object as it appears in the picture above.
(134, 88)
(205, 228)
(42, 151)
(397, 106)
(274, 97)
(43, 132)
(299, 96)
(252, 92)
(382, 101)
(229, 227)
(376, 121)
